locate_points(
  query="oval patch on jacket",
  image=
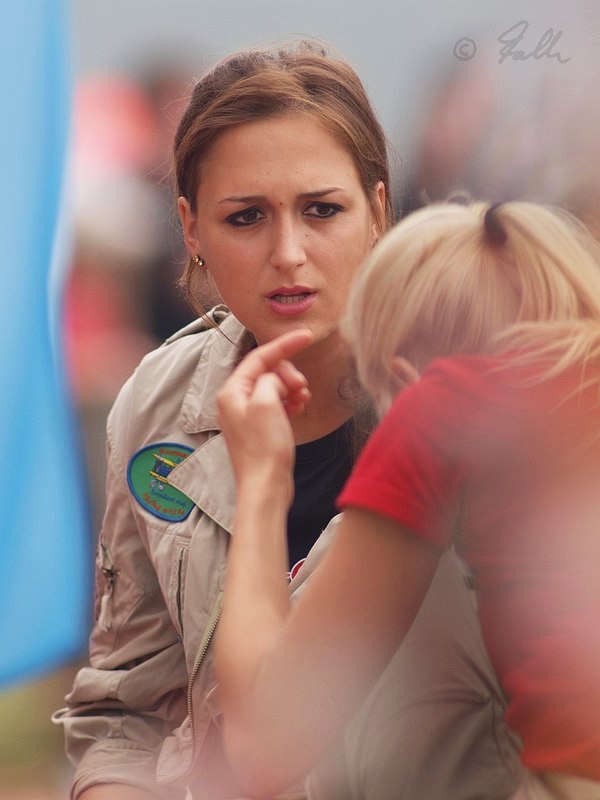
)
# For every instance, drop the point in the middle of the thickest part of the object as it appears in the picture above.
(148, 478)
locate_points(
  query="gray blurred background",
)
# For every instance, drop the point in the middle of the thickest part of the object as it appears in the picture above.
(459, 114)
(401, 48)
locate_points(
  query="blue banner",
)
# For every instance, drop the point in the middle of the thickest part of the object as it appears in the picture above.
(44, 537)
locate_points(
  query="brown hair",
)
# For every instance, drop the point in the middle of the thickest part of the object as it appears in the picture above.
(255, 84)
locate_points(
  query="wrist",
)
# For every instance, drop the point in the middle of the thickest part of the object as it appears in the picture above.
(263, 500)
(265, 488)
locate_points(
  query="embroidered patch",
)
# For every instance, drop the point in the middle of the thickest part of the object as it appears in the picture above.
(148, 478)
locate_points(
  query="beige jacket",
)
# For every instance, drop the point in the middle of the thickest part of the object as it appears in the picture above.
(145, 703)
(145, 711)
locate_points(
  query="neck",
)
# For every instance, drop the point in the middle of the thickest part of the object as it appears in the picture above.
(326, 366)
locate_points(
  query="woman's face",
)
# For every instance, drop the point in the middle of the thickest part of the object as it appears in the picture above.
(282, 222)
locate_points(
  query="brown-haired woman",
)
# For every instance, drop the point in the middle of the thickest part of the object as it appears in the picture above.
(283, 186)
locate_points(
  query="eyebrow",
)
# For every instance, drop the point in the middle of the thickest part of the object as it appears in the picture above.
(253, 198)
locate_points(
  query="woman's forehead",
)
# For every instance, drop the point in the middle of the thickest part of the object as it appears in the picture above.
(293, 147)
(296, 127)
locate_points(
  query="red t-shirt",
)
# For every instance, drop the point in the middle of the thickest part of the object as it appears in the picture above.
(509, 472)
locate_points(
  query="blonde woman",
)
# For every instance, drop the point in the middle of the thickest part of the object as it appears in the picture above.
(477, 331)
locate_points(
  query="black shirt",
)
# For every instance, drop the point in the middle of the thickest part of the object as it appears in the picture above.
(321, 470)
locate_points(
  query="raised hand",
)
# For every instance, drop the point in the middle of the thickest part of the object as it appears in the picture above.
(255, 404)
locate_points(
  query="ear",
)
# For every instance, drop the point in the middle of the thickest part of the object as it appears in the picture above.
(188, 225)
(378, 226)
(404, 373)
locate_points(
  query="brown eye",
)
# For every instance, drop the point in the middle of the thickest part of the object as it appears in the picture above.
(323, 210)
(248, 216)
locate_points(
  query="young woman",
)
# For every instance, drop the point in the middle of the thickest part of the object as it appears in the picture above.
(283, 187)
(487, 319)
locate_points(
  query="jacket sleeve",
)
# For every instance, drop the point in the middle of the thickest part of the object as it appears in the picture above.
(132, 694)
(433, 724)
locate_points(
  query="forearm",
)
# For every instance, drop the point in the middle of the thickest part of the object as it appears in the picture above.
(261, 445)
(256, 595)
(323, 656)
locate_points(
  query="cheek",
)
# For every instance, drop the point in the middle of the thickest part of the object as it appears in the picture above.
(234, 253)
(228, 262)
(354, 240)
(357, 251)
(364, 237)
(231, 285)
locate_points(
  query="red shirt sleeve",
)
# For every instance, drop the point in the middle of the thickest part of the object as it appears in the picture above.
(409, 470)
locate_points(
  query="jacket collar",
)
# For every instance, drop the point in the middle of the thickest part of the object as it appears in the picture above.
(230, 342)
(206, 476)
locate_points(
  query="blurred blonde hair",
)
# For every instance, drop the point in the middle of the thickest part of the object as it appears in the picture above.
(478, 279)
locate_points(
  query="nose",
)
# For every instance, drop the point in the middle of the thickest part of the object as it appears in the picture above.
(287, 244)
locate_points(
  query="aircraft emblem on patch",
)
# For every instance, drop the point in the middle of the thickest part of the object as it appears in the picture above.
(148, 478)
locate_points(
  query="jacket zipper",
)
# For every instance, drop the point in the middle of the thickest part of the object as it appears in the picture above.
(204, 644)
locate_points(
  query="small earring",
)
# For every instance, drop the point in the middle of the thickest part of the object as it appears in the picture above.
(198, 261)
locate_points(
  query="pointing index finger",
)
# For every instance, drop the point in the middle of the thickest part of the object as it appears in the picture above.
(266, 357)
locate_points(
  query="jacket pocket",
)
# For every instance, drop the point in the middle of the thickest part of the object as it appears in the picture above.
(178, 579)
(116, 597)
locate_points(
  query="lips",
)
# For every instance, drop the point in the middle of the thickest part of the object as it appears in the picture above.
(289, 298)
(291, 301)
